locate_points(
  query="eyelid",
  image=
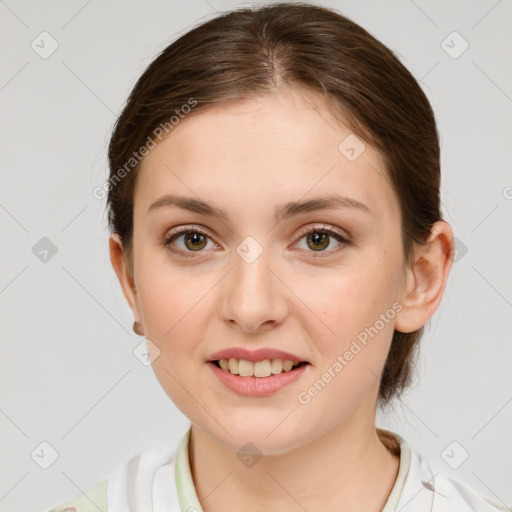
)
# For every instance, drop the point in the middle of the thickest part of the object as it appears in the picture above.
(189, 227)
(324, 227)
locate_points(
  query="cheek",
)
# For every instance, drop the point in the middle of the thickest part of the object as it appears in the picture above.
(176, 321)
(169, 294)
(351, 341)
(353, 317)
(173, 309)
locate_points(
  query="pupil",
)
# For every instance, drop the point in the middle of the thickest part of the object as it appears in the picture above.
(196, 238)
(319, 238)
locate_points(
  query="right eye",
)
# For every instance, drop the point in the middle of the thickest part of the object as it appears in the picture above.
(192, 240)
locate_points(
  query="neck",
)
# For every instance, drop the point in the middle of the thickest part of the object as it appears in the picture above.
(348, 468)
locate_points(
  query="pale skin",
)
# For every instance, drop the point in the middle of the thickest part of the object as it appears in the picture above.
(247, 158)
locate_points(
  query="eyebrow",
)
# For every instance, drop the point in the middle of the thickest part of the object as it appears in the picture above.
(281, 212)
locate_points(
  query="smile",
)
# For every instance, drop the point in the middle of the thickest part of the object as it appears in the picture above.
(265, 368)
(260, 378)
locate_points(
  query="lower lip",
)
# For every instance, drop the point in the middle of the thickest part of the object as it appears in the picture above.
(257, 386)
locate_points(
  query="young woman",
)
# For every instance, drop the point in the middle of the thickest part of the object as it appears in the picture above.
(276, 229)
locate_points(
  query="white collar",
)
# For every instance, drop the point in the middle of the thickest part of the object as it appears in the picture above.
(160, 480)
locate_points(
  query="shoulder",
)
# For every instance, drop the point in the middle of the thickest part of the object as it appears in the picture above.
(452, 494)
(429, 489)
(134, 485)
(93, 499)
(145, 480)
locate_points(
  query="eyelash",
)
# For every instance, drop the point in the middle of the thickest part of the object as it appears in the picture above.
(314, 254)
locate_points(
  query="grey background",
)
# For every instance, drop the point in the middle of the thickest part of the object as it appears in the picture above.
(68, 374)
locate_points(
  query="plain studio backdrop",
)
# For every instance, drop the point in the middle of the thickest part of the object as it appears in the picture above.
(75, 401)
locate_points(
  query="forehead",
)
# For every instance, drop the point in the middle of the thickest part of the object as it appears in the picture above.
(273, 148)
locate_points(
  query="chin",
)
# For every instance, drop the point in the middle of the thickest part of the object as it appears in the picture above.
(258, 439)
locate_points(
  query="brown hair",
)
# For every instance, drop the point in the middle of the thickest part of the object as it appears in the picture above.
(252, 51)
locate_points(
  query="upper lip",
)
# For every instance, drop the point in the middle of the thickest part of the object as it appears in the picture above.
(259, 354)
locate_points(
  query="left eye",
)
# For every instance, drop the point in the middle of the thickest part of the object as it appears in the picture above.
(319, 239)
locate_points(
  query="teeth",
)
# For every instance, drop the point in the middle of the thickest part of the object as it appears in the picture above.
(287, 365)
(245, 368)
(265, 368)
(276, 365)
(262, 369)
(233, 366)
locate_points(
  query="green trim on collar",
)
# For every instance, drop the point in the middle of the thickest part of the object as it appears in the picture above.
(187, 496)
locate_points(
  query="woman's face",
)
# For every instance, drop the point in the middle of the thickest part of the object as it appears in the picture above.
(254, 279)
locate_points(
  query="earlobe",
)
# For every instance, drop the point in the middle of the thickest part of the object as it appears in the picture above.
(119, 263)
(426, 279)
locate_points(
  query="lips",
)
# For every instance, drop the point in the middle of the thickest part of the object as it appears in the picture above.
(257, 386)
(255, 355)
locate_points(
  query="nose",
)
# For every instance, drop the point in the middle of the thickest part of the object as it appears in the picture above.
(254, 296)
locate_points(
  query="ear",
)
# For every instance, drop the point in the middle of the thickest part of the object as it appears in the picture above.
(124, 274)
(426, 279)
